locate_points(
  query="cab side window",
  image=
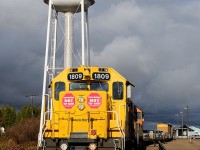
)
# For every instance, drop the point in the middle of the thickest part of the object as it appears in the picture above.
(59, 86)
(139, 116)
(118, 90)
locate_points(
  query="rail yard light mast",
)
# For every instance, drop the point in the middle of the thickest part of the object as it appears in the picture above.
(187, 121)
(182, 123)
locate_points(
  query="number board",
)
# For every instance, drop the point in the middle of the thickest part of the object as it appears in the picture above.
(101, 76)
(75, 76)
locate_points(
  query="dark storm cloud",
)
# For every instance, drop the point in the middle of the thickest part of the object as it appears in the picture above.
(156, 46)
(153, 43)
(22, 31)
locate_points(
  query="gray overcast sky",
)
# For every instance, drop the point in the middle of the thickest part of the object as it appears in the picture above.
(153, 43)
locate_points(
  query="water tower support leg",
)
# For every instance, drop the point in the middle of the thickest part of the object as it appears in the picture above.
(68, 46)
(87, 40)
(40, 136)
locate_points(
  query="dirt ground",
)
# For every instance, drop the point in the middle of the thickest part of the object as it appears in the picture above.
(178, 144)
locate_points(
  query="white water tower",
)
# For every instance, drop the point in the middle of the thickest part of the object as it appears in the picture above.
(69, 8)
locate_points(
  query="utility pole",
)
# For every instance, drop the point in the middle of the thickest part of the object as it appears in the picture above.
(31, 97)
(187, 121)
(182, 123)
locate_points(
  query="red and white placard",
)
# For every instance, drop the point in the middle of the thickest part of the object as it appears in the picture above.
(94, 100)
(68, 100)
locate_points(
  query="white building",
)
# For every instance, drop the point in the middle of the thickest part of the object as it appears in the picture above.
(196, 131)
(187, 132)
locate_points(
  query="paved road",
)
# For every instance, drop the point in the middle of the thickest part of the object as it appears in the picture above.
(178, 144)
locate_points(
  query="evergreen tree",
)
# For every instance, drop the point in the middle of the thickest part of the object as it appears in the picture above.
(36, 111)
(8, 116)
(0, 117)
(25, 112)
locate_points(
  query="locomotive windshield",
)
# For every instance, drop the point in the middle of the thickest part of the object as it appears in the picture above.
(96, 86)
(99, 86)
(78, 86)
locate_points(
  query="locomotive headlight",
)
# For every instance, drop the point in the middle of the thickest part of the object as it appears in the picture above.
(63, 146)
(81, 99)
(81, 106)
(92, 146)
(103, 69)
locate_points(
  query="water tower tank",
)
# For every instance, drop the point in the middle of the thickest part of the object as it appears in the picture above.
(69, 5)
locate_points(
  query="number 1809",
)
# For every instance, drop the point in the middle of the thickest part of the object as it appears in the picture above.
(75, 76)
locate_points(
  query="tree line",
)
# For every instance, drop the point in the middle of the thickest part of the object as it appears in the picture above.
(9, 116)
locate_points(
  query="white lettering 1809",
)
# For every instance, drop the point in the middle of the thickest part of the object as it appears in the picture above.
(101, 76)
(75, 76)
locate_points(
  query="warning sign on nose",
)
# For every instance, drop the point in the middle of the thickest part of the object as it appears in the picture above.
(94, 100)
(68, 100)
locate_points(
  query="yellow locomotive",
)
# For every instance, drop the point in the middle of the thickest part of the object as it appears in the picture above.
(92, 109)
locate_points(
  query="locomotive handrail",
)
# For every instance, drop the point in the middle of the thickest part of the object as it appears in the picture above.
(121, 125)
(43, 126)
(68, 112)
(68, 122)
(42, 123)
(120, 129)
(49, 106)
